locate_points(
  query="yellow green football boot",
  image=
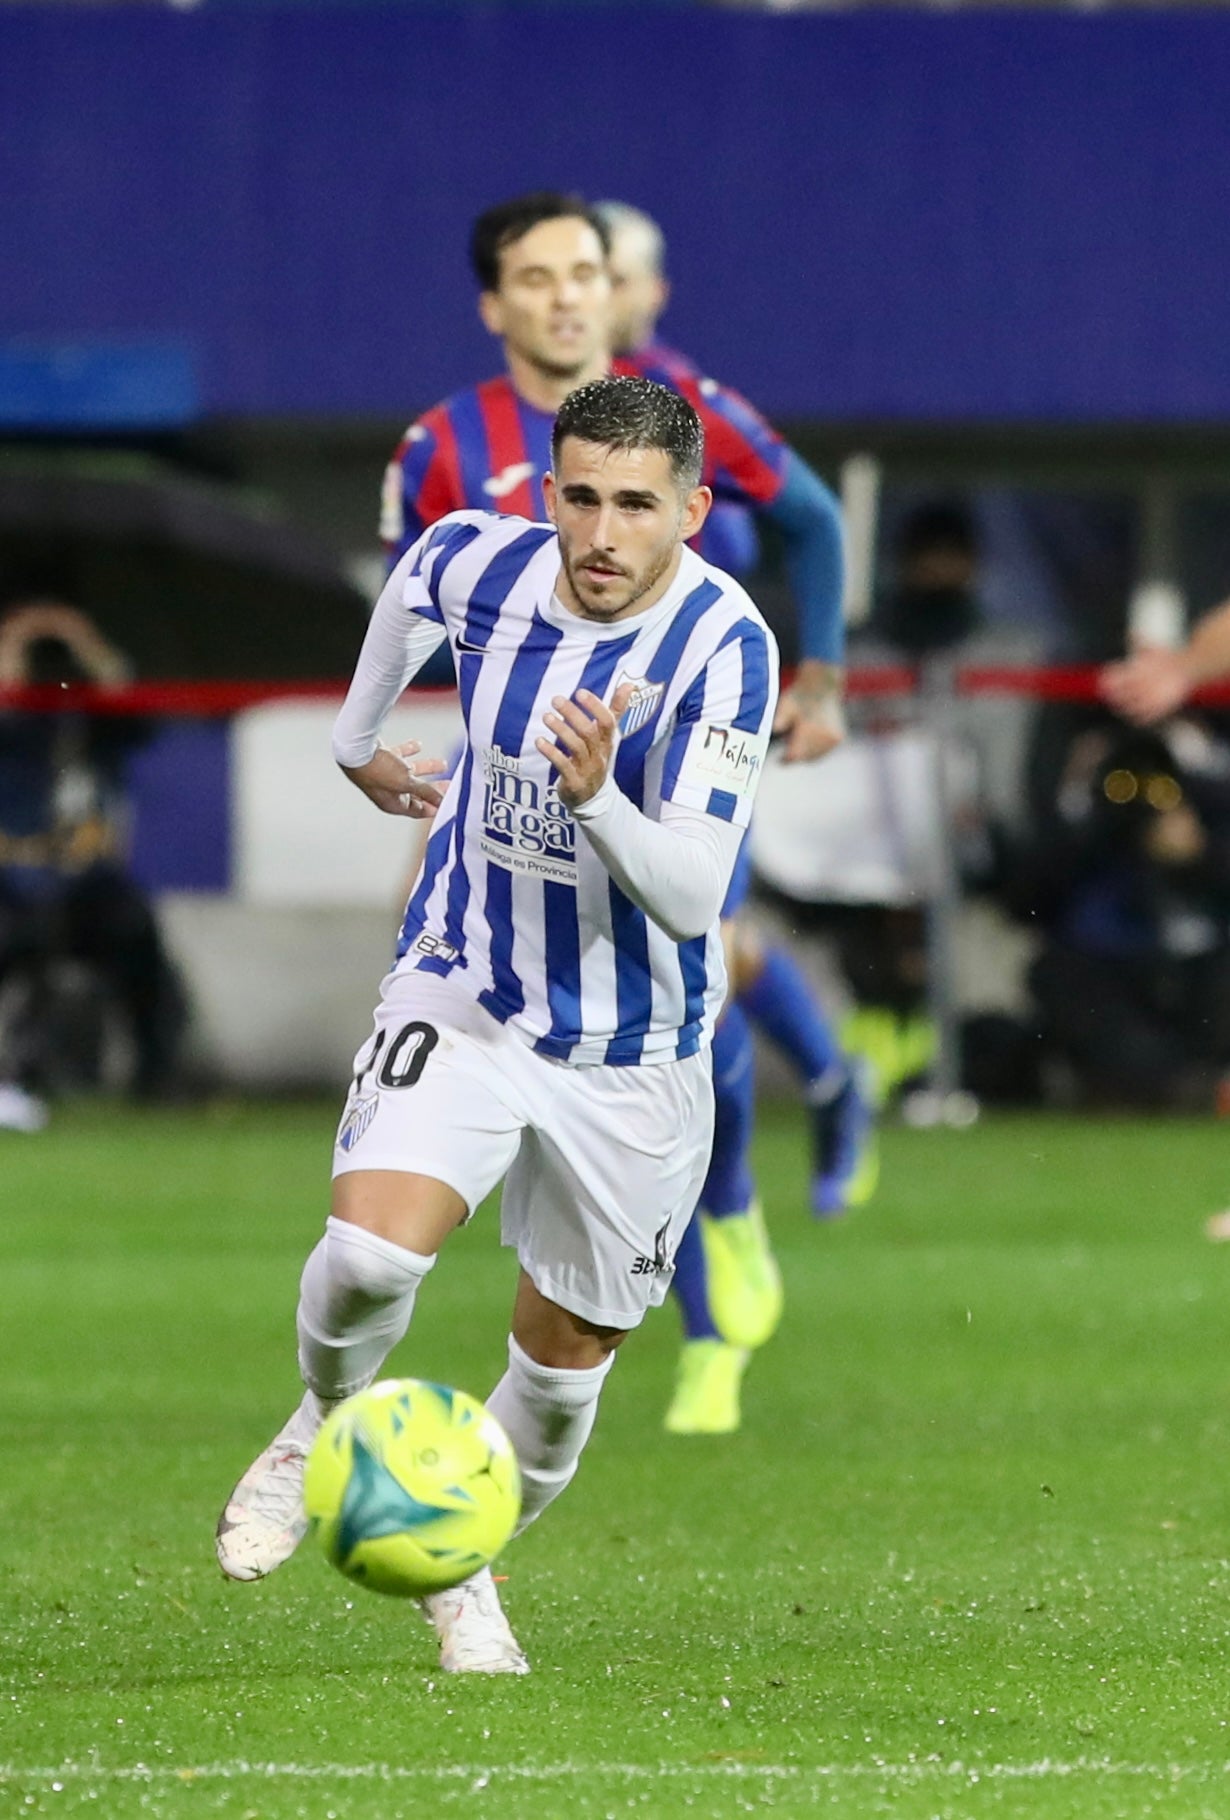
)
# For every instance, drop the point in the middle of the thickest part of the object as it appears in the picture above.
(707, 1381)
(743, 1280)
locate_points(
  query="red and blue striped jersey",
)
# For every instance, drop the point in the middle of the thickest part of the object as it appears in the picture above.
(486, 448)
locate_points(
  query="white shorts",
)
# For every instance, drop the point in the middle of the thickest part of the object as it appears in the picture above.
(602, 1166)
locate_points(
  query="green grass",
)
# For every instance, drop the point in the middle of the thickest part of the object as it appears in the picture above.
(968, 1557)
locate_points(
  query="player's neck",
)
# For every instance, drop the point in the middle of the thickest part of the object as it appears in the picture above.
(547, 391)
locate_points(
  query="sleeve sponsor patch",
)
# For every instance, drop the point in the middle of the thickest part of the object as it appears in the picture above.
(723, 758)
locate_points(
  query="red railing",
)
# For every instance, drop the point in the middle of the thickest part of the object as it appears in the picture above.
(215, 700)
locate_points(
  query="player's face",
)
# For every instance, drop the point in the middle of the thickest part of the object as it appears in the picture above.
(552, 307)
(621, 518)
(639, 292)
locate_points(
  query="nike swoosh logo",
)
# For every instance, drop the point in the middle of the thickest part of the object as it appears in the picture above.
(463, 644)
(501, 485)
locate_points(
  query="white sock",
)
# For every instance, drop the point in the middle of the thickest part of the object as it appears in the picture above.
(547, 1414)
(356, 1296)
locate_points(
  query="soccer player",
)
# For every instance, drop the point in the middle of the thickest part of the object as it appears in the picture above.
(560, 967)
(541, 265)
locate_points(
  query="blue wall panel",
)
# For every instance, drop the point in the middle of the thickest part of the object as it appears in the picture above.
(972, 216)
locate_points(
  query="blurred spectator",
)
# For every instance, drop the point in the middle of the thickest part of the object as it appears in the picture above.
(932, 603)
(1128, 886)
(65, 894)
(874, 836)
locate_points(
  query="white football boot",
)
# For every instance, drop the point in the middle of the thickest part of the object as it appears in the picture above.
(264, 1520)
(475, 1638)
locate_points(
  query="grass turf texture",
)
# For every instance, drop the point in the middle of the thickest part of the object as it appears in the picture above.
(967, 1558)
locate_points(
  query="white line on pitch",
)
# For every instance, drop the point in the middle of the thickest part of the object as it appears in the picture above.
(928, 1768)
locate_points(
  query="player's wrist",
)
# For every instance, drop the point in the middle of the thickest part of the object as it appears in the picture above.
(816, 679)
(599, 803)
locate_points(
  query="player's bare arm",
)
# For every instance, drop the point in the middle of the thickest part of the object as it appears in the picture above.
(810, 714)
(1154, 681)
(397, 780)
(585, 732)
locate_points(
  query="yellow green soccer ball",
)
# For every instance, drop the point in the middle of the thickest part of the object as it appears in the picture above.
(411, 1486)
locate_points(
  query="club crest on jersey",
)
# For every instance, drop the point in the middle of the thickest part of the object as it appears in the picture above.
(645, 698)
(525, 825)
(359, 1115)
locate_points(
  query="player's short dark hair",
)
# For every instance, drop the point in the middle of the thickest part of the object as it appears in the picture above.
(632, 413)
(506, 223)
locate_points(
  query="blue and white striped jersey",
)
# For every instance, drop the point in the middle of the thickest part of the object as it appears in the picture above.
(512, 901)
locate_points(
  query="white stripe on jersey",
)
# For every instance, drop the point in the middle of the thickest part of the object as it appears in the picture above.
(510, 902)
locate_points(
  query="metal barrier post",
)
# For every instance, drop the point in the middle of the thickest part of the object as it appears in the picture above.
(937, 699)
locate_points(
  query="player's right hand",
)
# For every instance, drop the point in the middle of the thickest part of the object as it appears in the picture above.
(393, 779)
(1147, 686)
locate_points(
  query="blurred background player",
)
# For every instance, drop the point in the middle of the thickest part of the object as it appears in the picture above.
(771, 987)
(72, 917)
(725, 1281)
(541, 262)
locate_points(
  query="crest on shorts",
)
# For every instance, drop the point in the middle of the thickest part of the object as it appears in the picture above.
(645, 697)
(358, 1117)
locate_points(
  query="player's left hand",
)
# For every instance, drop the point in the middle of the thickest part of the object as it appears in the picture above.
(810, 713)
(585, 732)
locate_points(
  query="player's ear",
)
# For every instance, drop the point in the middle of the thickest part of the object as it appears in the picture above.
(549, 494)
(491, 312)
(695, 511)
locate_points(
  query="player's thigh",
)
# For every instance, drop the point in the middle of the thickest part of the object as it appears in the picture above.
(606, 1181)
(433, 1100)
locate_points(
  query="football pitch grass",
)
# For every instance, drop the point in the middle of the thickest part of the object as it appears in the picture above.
(969, 1556)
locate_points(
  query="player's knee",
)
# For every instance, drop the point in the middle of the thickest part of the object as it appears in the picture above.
(364, 1268)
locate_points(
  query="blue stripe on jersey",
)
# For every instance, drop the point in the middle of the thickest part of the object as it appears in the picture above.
(665, 659)
(491, 590)
(695, 978)
(755, 688)
(494, 585)
(562, 945)
(473, 451)
(563, 939)
(633, 980)
(668, 654)
(448, 538)
(459, 883)
(449, 543)
(433, 862)
(722, 805)
(506, 995)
